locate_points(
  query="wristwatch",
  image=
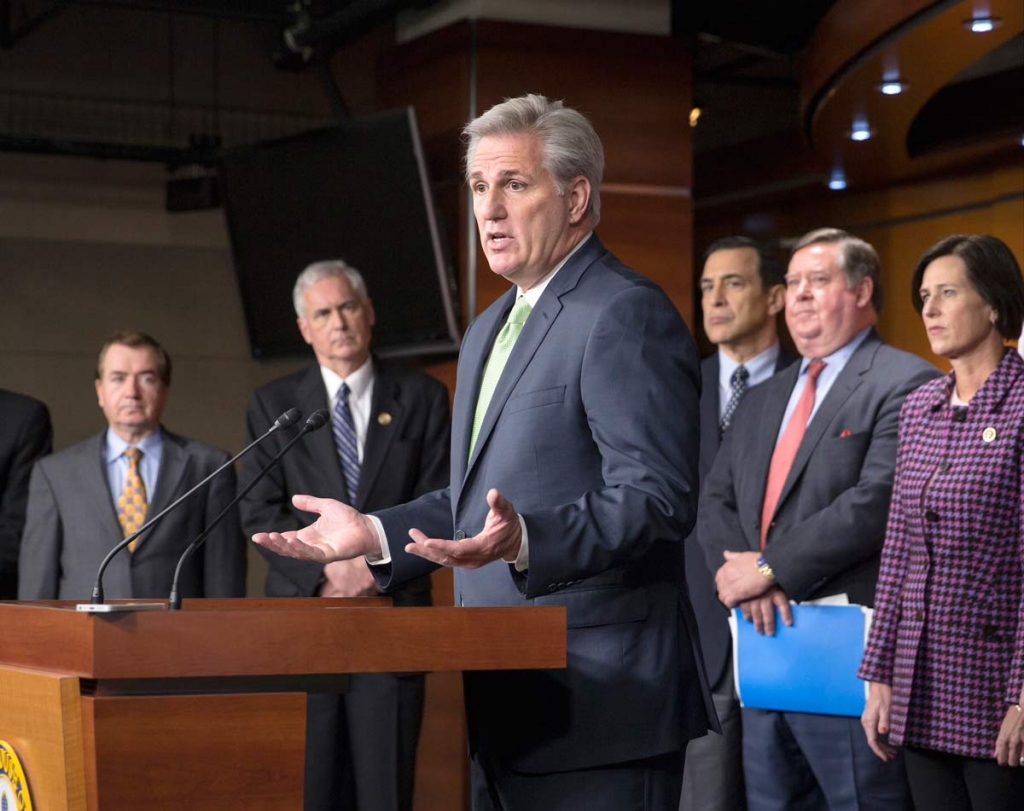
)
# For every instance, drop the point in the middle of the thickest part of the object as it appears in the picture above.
(765, 568)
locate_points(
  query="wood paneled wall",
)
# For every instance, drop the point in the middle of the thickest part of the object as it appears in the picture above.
(901, 221)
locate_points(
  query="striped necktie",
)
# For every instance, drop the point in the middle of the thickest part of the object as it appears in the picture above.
(344, 429)
(132, 504)
(502, 348)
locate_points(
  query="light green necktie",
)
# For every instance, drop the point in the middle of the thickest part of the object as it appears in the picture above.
(496, 362)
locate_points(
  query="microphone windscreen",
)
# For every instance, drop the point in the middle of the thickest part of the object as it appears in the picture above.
(289, 418)
(318, 419)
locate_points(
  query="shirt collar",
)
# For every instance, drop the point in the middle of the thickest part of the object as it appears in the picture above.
(533, 294)
(358, 382)
(760, 367)
(837, 360)
(114, 446)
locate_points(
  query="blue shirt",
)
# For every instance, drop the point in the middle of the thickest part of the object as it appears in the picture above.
(834, 364)
(152, 448)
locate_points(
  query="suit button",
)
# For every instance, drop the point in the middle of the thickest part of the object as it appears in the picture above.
(931, 515)
(919, 616)
(988, 632)
(460, 535)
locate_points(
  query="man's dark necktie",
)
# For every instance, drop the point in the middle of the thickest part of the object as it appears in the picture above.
(738, 384)
(344, 428)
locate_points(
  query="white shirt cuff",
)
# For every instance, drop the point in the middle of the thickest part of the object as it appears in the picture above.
(522, 561)
(385, 550)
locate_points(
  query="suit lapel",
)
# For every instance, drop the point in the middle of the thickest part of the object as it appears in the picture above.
(379, 434)
(537, 325)
(312, 395)
(97, 488)
(474, 358)
(710, 408)
(847, 382)
(174, 462)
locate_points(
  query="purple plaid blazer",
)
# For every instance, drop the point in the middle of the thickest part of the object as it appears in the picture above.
(948, 631)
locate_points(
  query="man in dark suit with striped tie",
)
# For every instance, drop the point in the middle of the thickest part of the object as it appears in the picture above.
(742, 292)
(389, 443)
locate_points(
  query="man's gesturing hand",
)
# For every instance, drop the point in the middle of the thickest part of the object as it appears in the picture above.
(500, 539)
(340, 533)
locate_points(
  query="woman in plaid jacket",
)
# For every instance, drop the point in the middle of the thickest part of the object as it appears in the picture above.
(945, 656)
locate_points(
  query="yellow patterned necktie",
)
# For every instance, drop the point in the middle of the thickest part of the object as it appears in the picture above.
(496, 363)
(131, 504)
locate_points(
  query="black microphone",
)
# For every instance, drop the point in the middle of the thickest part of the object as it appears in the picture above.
(318, 419)
(286, 420)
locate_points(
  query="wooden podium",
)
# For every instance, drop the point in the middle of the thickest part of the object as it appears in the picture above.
(205, 708)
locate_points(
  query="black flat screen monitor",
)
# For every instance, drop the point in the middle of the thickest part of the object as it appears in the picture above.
(357, 192)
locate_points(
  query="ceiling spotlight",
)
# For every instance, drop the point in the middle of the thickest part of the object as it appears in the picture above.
(982, 25)
(695, 114)
(838, 180)
(861, 132)
(892, 87)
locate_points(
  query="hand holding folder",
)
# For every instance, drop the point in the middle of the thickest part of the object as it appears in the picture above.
(809, 666)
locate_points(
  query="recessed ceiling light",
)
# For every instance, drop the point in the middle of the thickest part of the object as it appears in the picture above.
(838, 180)
(861, 132)
(982, 25)
(695, 114)
(892, 87)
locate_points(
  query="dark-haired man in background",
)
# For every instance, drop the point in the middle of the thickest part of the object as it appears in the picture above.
(85, 498)
(388, 444)
(25, 435)
(742, 292)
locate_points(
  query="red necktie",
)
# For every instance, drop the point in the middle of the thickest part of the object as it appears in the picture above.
(786, 448)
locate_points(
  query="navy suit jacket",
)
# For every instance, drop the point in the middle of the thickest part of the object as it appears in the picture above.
(72, 524)
(829, 524)
(712, 616)
(405, 456)
(25, 435)
(592, 433)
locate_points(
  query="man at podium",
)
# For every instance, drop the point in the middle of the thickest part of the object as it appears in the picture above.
(574, 468)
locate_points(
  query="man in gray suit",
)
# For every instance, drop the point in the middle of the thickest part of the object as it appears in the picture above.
(574, 471)
(86, 498)
(742, 293)
(795, 507)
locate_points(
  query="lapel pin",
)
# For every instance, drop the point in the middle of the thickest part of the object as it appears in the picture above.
(384, 418)
(989, 434)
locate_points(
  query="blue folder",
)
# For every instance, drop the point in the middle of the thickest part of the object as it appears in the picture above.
(810, 666)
